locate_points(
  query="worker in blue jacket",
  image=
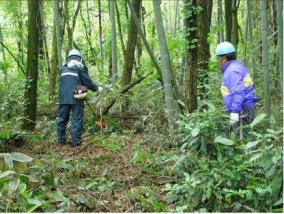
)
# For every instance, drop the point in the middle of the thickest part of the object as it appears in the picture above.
(237, 87)
(72, 74)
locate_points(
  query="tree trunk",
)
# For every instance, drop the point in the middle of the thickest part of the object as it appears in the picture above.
(190, 81)
(68, 26)
(171, 109)
(220, 22)
(265, 66)
(235, 25)
(203, 21)
(251, 40)
(101, 36)
(280, 41)
(113, 43)
(119, 30)
(147, 46)
(4, 58)
(229, 19)
(20, 33)
(130, 49)
(57, 31)
(176, 16)
(32, 66)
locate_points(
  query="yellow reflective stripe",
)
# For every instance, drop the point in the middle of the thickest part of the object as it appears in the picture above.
(247, 81)
(224, 91)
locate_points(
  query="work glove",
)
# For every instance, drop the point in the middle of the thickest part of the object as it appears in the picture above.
(234, 118)
(100, 89)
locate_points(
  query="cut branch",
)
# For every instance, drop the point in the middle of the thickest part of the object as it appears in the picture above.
(123, 91)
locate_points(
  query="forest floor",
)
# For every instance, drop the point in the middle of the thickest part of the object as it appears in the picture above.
(109, 172)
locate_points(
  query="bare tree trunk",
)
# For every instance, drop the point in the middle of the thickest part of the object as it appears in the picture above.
(113, 42)
(68, 26)
(171, 108)
(32, 66)
(235, 25)
(20, 33)
(265, 66)
(190, 82)
(147, 46)
(220, 22)
(176, 16)
(130, 49)
(229, 19)
(119, 30)
(92, 49)
(251, 40)
(101, 36)
(203, 21)
(280, 41)
(4, 58)
(57, 31)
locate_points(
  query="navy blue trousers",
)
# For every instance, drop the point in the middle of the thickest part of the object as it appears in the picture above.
(76, 123)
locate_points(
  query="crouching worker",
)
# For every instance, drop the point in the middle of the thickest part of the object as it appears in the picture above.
(237, 88)
(74, 77)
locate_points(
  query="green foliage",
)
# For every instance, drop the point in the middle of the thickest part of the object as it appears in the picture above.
(229, 176)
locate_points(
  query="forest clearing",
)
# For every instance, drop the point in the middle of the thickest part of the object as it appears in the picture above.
(141, 106)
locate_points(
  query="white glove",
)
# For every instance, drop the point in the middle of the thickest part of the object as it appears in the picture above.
(100, 89)
(234, 118)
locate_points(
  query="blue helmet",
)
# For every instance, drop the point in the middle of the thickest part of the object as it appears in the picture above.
(225, 48)
(74, 52)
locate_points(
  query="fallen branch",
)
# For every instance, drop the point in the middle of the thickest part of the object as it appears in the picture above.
(123, 91)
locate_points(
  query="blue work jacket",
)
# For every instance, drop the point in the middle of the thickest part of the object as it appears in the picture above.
(73, 74)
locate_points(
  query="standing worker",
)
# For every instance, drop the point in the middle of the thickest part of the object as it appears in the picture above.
(237, 86)
(72, 75)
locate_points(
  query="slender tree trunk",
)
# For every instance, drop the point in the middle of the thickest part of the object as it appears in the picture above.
(89, 21)
(119, 30)
(265, 66)
(68, 26)
(251, 40)
(92, 49)
(203, 20)
(280, 41)
(20, 33)
(32, 66)
(190, 82)
(229, 19)
(176, 16)
(101, 36)
(235, 25)
(147, 46)
(57, 30)
(113, 42)
(130, 49)
(171, 109)
(220, 22)
(3, 57)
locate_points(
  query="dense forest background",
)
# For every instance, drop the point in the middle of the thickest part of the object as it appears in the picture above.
(156, 138)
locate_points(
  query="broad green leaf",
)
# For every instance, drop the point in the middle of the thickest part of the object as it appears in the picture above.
(8, 160)
(6, 173)
(280, 201)
(251, 144)
(255, 157)
(33, 208)
(13, 186)
(195, 132)
(258, 119)
(34, 201)
(224, 141)
(20, 157)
